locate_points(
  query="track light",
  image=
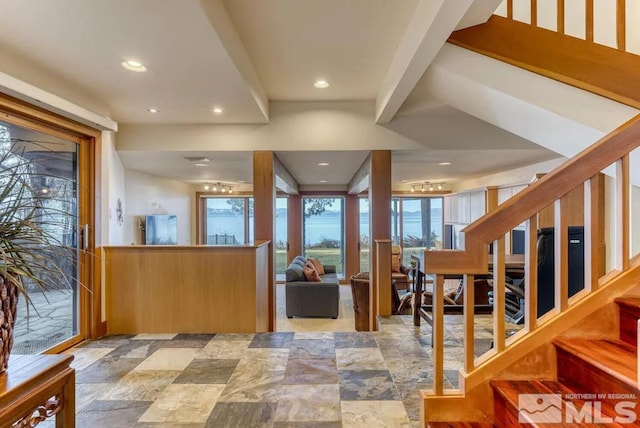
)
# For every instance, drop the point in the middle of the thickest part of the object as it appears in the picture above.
(219, 187)
(426, 186)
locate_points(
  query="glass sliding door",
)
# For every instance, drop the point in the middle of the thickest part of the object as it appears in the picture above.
(52, 172)
(323, 230)
(281, 237)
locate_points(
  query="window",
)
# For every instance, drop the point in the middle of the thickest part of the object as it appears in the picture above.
(227, 221)
(281, 237)
(421, 225)
(323, 230)
(364, 234)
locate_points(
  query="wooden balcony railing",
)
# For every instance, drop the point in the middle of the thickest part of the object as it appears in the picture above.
(551, 189)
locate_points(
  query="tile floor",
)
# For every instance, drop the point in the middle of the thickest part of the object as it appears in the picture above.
(298, 378)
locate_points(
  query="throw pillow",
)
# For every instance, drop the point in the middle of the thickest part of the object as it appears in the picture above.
(311, 265)
(395, 263)
(319, 266)
(311, 275)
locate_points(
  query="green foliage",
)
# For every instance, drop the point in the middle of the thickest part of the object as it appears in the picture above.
(36, 232)
(237, 205)
(316, 206)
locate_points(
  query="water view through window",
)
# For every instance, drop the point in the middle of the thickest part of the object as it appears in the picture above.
(323, 230)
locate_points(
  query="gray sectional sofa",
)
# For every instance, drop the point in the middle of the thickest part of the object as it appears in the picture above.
(311, 299)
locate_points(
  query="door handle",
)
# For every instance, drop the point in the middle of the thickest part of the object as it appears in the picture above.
(84, 237)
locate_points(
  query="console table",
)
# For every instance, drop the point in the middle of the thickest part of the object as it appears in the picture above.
(37, 387)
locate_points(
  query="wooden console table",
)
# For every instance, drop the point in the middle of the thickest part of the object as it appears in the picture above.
(37, 387)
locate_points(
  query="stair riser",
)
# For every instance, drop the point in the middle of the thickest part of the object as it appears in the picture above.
(582, 377)
(504, 414)
(629, 325)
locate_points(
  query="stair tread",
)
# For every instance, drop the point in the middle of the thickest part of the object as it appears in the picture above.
(630, 302)
(510, 390)
(614, 357)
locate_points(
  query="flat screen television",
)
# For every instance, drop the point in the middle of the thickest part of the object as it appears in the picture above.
(161, 230)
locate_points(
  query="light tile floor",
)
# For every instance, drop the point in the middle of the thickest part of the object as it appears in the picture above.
(298, 378)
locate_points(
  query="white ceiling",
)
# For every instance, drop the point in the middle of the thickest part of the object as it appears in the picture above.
(85, 41)
(292, 43)
(241, 54)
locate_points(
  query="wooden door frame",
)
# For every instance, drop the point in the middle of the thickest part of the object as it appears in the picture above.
(20, 113)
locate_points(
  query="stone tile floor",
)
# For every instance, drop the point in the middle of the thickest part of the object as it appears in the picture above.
(282, 379)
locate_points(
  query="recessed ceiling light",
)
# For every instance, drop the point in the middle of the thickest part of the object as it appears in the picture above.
(133, 65)
(323, 181)
(200, 164)
(444, 163)
(217, 110)
(323, 163)
(153, 110)
(321, 84)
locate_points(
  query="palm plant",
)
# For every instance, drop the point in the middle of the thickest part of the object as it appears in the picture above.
(33, 255)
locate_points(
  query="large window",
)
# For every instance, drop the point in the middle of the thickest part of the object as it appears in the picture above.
(323, 230)
(281, 237)
(228, 221)
(364, 234)
(421, 225)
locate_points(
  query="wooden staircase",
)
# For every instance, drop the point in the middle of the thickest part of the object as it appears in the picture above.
(586, 369)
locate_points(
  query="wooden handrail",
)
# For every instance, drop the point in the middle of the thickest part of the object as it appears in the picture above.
(552, 186)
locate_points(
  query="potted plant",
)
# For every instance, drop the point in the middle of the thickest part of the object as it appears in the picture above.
(32, 254)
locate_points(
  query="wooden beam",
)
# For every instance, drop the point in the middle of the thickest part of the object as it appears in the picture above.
(285, 181)
(509, 9)
(264, 204)
(534, 13)
(379, 219)
(360, 180)
(595, 68)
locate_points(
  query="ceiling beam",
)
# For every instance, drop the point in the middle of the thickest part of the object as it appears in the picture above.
(222, 25)
(431, 25)
(284, 179)
(360, 180)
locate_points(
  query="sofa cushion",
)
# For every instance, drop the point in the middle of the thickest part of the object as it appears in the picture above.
(311, 275)
(318, 266)
(299, 260)
(295, 273)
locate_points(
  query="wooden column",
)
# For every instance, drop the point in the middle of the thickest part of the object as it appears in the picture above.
(264, 204)
(352, 236)
(294, 227)
(380, 227)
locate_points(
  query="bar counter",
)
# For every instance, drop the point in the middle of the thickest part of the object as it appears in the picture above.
(186, 289)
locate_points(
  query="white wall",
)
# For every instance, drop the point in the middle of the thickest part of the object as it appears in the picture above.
(147, 194)
(113, 233)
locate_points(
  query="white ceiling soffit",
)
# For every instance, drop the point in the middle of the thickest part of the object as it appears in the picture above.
(293, 43)
(432, 23)
(304, 166)
(219, 18)
(189, 70)
(553, 115)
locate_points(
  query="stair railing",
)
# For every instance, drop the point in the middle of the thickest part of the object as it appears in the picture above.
(551, 189)
(574, 19)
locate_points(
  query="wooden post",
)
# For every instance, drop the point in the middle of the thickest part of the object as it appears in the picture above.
(294, 227)
(264, 201)
(383, 273)
(469, 330)
(561, 254)
(352, 235)
(438, 334)
(531, 274)
(379, 220)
